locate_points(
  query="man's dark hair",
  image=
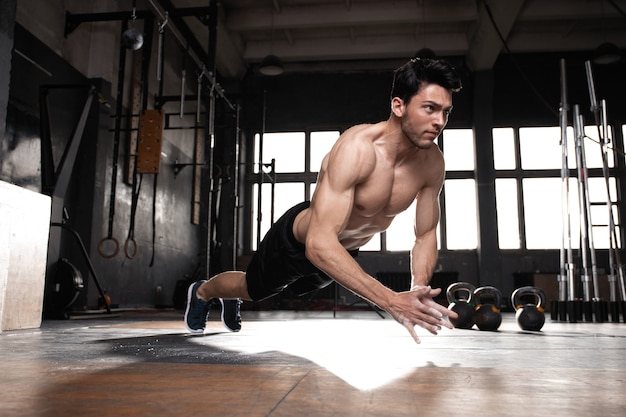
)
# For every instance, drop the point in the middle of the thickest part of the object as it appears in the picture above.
(408, 79)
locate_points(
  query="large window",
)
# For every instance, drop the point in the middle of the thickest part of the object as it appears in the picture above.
(291, 179)
(532, 201)
(459, 191)
(286, 149)
(532, 177)
(289, 164)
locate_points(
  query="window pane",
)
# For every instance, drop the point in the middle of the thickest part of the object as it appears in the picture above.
(503, 148)
(401, 234)
(593, 150)
(287, 195)
(286, 148)
(461, 222)
(458, 149)
(321, 142)
(508, 216)
(544, 213)
(540, 148)
(600, 215)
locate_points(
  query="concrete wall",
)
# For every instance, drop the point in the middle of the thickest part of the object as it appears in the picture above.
(91, 53)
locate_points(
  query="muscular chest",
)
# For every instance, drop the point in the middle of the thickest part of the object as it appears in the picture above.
(387, 193)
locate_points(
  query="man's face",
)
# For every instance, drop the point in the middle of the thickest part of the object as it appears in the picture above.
(426, 114)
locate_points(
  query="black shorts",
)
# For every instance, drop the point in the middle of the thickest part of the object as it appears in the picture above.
(279, 262)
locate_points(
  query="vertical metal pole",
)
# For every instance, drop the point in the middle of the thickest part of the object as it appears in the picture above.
(273, 179)
(584, 240)
(603, 134)
(199, 96)
(236, 190)
(161, 48)
(594, 109)
(603, 130)
(211, 124)
(614, 247)
(182, 92)
(211, 139)
(592, 249)
(259, 214)
(566, 276)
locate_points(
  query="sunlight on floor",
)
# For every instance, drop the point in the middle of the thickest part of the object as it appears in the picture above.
(364, 353)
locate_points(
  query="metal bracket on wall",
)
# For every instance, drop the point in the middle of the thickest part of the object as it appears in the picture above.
(179, 166)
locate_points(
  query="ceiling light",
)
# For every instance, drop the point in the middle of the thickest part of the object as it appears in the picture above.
(607, 53)
(271, 65)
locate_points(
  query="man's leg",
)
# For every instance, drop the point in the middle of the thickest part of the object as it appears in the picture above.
(228, 285)
(231, 286)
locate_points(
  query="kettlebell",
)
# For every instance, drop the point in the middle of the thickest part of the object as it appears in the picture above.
(459, 295)
(529, 316)
(487, 315)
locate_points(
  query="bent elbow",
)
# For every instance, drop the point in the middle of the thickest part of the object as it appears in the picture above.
(314, 251)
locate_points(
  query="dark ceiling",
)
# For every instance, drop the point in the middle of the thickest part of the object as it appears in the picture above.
(335, 33)
(346, 35)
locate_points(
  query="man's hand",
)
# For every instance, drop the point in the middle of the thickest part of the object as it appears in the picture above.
(417, 307)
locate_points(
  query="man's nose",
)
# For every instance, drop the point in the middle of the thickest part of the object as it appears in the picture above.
(439, 119)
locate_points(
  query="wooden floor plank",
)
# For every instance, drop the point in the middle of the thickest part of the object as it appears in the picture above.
(300, 365)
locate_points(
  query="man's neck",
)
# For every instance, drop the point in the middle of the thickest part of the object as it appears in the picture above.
(398, 145)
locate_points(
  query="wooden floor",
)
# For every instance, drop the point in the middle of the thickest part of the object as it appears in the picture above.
(309, 364)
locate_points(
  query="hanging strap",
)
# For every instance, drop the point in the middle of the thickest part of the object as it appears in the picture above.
(154, 195)
(130, 240)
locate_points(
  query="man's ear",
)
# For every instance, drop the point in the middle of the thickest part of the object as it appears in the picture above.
(397, 106)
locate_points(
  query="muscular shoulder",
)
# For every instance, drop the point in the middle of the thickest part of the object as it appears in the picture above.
(432, 168)
(354, 151)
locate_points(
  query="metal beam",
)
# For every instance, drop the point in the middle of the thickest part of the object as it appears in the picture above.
(72, 20)
(392, 46)
(296, 17)
(486, 44)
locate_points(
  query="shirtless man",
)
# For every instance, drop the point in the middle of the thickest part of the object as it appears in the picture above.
(372, 173)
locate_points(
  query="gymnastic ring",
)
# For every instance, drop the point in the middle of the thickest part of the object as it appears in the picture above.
(108, 255)
(126, 245)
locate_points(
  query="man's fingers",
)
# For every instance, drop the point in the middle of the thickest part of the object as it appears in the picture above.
(435, 292)
(411, 330)
(426, 312)
(426, 290)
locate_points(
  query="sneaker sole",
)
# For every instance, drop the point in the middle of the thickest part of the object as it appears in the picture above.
(189, 294)
(223, 321)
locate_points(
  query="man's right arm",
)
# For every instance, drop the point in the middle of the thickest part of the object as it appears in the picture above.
(330, 211)
(350, 162)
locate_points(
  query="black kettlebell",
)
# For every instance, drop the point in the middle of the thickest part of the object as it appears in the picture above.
(529, 316)
(487, 315)
(459, 295)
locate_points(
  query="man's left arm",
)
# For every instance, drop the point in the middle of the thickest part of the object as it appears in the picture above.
(424, 252)
(423, 258)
